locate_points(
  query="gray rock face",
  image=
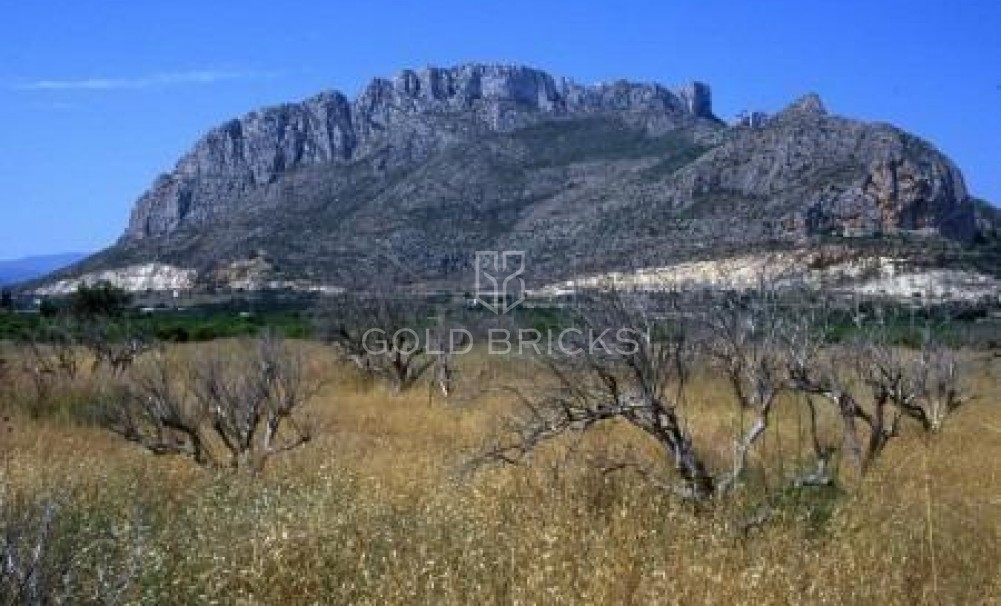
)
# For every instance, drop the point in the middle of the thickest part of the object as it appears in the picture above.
(808, 105)
(698, 99)
(824, 174)
(405, 181)
(407, 119)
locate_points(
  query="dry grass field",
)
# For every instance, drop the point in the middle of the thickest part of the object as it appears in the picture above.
(379, 509)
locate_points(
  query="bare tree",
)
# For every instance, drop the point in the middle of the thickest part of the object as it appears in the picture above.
(387, 338)
(235, 410)
(873, 382)
(619, 366)
(249, 401)
(940, 386)
(154, 409)
(50, 355)
(118, 354)
(763, 350)
(816, 368)
(445, 342)
(744, 339)
(444, 369)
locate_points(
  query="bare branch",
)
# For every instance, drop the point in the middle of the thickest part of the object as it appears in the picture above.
(241, 403)
(617, 367)
(381, 334)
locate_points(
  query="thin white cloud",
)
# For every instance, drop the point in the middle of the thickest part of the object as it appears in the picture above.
(157, 80)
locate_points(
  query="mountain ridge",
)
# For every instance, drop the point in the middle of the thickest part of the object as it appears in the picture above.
(416, 173)
(254, 150)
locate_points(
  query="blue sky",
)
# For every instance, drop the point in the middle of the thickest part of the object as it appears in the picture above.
(97, 98)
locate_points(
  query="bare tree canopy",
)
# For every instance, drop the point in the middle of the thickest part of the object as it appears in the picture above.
(392, 338)
(873, 381)
(629, 360)
(234, 408)
(616, 364)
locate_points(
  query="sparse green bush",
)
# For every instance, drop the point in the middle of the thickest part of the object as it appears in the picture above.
(101, 299)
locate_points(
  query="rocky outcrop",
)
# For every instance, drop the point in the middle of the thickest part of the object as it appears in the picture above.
(824, 174)
(406, 118)
(870, 276)
(135, 278)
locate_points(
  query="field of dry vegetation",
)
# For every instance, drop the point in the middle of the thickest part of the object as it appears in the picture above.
(379, 507)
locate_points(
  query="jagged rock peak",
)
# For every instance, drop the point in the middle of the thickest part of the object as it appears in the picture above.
(810, 104)
(466, 85)
(406, 118)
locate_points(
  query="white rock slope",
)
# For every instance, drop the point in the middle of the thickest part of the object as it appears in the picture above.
(135, 278)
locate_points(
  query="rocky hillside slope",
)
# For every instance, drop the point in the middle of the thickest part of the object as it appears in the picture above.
(409, 179)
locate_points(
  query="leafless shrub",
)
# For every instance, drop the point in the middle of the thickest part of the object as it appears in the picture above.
(117, 354)
(248, 401)
(50, 355)
(388, 338)
(938, 384)
(872, 382)
(154, 409)
(233, 410)
(639, 377)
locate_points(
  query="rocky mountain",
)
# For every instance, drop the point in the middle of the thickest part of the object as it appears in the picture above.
(409, 179)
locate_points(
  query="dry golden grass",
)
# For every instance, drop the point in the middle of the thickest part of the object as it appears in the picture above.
(373, 511)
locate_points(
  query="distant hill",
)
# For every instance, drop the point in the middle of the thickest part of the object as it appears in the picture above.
(13, 271)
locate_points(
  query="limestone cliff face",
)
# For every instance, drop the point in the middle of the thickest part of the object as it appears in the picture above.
(825, 174)
(405, 181)
(405, 119)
